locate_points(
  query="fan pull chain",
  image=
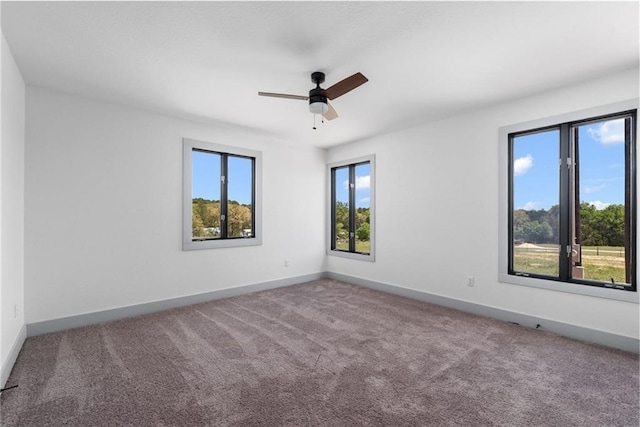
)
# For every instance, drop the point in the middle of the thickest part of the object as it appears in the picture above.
(314, 122)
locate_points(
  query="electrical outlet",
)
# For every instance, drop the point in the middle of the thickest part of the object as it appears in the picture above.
(471, 281)
(15, 311)
(286, 263)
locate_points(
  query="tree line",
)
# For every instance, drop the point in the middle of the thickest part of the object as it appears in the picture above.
(206, 218)
(598, 227)
(363, 227)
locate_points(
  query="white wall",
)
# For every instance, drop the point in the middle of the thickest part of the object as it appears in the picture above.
(12, 146)
(437, 210)
(104, 209)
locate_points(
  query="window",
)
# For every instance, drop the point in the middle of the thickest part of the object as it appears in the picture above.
(221, 200)
(351, 186)
(571, 203)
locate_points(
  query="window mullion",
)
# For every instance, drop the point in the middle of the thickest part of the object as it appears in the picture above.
(223, 195)
(253, 197)
(566, 207)
(630, 208)
(510, 265)
(576, 227)
(333, 209)
(352, 208)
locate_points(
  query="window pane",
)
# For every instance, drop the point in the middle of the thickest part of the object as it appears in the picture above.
(600, 233)
(240, 197)
(341, 191)
(362, 228)
(535, 183)
(205, 195)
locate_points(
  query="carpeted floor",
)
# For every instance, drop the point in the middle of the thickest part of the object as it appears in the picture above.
(323, 353)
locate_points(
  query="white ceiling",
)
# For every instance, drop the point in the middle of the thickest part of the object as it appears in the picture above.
(424, 60)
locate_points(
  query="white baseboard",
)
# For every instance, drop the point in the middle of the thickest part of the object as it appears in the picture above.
(64, 323)
(571, 331)
(7, 365)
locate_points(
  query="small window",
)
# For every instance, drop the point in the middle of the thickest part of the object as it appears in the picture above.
(572, 202)
(221, 196)
(351, 208)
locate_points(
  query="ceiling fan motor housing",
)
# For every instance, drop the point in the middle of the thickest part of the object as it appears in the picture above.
(317, 95)
(317, 77)
(318, 101)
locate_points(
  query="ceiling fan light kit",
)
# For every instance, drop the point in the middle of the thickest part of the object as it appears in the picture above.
(318, 97)
(319, 107)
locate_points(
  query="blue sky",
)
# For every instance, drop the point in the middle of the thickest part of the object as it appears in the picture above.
(206, 177)
(601, 166)
(363, 183)
(535, 171)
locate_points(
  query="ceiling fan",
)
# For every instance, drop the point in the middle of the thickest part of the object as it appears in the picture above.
(318, 97)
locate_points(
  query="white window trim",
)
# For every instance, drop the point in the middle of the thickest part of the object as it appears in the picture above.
(187, 174)
(503, 238)
(371, 158)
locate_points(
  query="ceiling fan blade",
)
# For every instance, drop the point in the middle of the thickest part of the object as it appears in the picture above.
(284, 95)
(345, 85)
(330, 114)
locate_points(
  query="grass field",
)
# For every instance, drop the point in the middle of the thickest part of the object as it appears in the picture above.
(600, 263)
(361, 246)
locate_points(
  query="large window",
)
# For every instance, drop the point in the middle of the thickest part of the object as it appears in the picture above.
(572, 202)
(351, 208)
(221, 196)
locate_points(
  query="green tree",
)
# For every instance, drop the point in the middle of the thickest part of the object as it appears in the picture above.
(537, 232)
(362, 216)
(238, 219)
(363, 232)
(531, 226)
(197, 226)
(612, 218)
(341, 232)
(342, 220)
(553, 219)
(520, 223)
(590, 230)
(603, 227)
(213, 219)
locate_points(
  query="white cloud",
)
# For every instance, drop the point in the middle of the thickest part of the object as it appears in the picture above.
(589, 189)
(522, 165)
(611, 132)
(362, 183)
(530, 206)
(365, 200)
(599, 205)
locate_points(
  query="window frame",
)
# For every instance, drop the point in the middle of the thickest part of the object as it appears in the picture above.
(190, 145)
(370, 159)
(576, 286)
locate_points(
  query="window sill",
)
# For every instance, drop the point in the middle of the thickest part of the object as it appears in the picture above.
(572, 288)
(215, 244)
(351, 255)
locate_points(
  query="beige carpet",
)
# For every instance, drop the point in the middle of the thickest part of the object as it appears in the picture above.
(324, 353)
